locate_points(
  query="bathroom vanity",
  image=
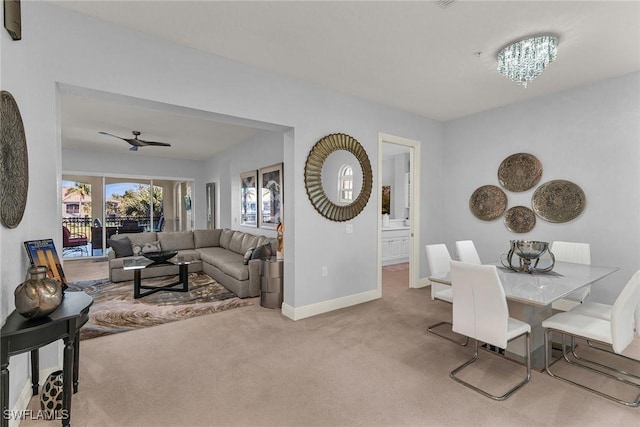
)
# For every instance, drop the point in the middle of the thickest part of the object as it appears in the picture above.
(395, 242)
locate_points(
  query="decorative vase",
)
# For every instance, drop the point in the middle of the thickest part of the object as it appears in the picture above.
(51, 394)
(280, 249)
(39, 295)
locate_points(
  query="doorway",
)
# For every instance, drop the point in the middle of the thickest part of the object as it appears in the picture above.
(398, 204)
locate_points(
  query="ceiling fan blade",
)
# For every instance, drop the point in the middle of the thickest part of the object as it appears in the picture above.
(159, 144)
(115, 136)
(135, 142)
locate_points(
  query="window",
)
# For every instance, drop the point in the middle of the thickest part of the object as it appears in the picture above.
(345, 184)
(73, 208)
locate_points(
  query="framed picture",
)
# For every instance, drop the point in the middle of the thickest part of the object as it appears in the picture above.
(270, 183)
(249, 199)
(43, 252)
(386, 199)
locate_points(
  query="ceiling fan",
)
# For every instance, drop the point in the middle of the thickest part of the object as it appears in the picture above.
(135, 142)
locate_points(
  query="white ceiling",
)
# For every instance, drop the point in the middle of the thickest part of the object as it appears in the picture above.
(414, 56)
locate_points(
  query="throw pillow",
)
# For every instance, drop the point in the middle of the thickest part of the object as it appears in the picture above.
(262, 252)
(152, 247)
(247, 255)
(121, 247)
(143, 248)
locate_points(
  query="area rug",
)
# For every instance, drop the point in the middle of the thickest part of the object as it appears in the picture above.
(114, 309)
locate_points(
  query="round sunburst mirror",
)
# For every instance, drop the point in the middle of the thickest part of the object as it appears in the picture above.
(330, 164)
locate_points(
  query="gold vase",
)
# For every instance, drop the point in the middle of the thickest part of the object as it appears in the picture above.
(39, 295)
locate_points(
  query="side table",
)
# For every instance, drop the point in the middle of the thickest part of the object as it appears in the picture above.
(272, 272)
(20, 335)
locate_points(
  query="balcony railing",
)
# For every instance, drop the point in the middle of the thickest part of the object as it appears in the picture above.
(86, 226)
(93, 230)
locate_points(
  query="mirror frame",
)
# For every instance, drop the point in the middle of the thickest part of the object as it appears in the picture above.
(313, 177)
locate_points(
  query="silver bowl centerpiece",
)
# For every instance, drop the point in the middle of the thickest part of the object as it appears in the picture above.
(529, 252)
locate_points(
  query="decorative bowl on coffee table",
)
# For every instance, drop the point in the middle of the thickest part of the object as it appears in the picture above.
(160, 257)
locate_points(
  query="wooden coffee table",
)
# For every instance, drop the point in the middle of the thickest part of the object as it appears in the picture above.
(138, 264)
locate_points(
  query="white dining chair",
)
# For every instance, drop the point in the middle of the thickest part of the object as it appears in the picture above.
(602, 311)
(579, 253)
(439, 259)
(467, 252)
(617, 333)
(480, 312)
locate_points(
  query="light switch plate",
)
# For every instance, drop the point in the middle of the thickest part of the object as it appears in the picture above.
(348, 228)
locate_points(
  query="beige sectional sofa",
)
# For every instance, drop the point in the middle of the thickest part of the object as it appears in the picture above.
(224, 254)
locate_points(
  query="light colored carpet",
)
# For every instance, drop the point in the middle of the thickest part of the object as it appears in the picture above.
(368, 365)
(114, 309)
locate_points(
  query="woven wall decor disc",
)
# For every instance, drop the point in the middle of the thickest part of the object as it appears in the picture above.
(520, 219)
(14, 163)
(520, 172)
(558, 201)
(488, 202)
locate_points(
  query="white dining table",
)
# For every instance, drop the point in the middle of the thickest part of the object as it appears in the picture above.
(529, 297)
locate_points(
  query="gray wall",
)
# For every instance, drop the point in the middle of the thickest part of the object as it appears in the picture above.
(265, 149)
(590, 136)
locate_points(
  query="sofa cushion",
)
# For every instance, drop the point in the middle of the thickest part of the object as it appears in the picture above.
(216, 255)
(206, 238)
(249, 241)
(225, 238)
(235, 244)
(138, 238)
(230, 263)
(176, 240)
(237, 270)
(121, 247)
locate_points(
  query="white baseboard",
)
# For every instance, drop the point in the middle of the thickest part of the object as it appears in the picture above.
(297, 313)
(422, 283)
(26, 394)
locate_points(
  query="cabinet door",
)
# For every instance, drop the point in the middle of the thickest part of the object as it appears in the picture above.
(405, 247)
(395, 248)
(385, 249)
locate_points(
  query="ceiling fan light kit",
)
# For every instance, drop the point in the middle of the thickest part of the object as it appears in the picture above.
(135, 142)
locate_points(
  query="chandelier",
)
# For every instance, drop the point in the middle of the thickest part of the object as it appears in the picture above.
(524, 60)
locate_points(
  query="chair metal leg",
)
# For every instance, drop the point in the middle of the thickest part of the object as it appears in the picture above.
(483, 392)
(433, 331)
(611, 368)
(634, 404)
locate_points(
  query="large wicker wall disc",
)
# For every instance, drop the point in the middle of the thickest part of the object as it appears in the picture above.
(520, 172)
(558, 201)
(488, 202)
(313, 177)
(14, 163)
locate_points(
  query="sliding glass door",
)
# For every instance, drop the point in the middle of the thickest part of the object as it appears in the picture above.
(97, 207)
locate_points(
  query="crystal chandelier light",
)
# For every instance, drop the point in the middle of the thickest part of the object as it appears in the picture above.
(524, 60)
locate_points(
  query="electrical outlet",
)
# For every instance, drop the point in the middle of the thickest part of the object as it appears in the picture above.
(324, 271)
(348, 228)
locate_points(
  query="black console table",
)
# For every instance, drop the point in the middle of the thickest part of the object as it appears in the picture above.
(20, 335)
